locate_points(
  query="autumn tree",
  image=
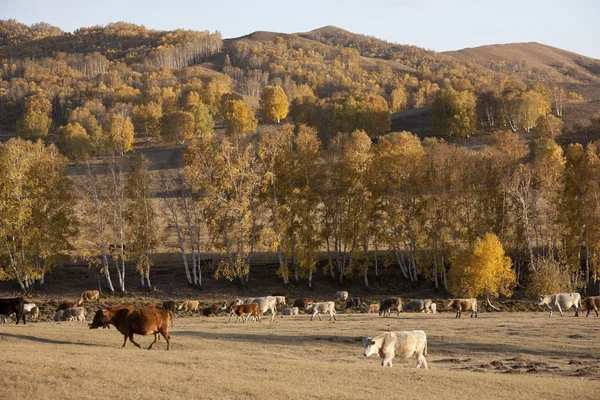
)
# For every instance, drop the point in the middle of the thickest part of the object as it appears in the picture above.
(178, 126)
(239, 117)
(482, 270)
(147, 117)
(118, 133)
(89, 122)
(204, 123)
(141, 218)
(548, 126)
(398, 99)
(74, 141)
(33, 125)
(273, 104)
(453, 112)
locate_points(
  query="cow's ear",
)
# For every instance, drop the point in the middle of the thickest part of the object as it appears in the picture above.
(372, 342)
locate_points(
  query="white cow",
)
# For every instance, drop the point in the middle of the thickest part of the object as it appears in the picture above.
(341, 296)
(281, 300)
(290, 311)
(401, 344)
(561, 301)
(433, 308)
(268, 303)
(31, 308)
(322, 308)
(74, 314)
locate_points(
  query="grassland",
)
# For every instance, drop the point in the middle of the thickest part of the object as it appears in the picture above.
(498, 355)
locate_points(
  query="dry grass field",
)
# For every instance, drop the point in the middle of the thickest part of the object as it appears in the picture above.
(496, 356)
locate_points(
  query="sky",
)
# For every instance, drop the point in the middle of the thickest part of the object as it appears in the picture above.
(439, 25)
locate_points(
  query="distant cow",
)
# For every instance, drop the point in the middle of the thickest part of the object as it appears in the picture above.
(67, 304)
(138, 321)
(373, 308)
(561, 301)
(290, 311)
(168, 305)
(388, 304)
(189, 305)
(591, 303)
(247, 310)
(281, 300)
(31, 309)
(302, 303)
(433, 308)
(268, 303)
(341, 296)
(74, 314)
(401, 344)
(322, 308)
(461, 305)
(13, 306)
(3, 318)
(424, 306)
(214, 309)
(353, 302)
(89, 295)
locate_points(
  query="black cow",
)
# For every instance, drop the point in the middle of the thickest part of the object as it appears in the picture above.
(353, 302)
(168, 305)
(15, 305)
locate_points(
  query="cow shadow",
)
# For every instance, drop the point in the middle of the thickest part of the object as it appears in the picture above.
(279, 339)
(44, 340)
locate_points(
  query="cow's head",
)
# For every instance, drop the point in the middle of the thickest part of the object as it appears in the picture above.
(370, 347)
(101, 319)
(449, 303)
(543, 300)
(180, 306)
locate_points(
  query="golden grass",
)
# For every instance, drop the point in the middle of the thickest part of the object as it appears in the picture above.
(499, 356)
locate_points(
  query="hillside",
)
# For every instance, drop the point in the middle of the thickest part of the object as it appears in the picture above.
(507, 57)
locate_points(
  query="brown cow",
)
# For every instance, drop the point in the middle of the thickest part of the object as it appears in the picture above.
(302, 303)
(245, 309)
(591, 303)
(168, 305)
(214, 309)
(461, 305)
(389, 304)
(139, 321)
(373, 308)
(67, 304)
(189, 305)
(89, 295)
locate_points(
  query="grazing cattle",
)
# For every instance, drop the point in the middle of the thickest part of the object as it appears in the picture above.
(561, 301)
(290, 311)
(32, 309)
(420, 306)
(67, 304)
(461, 305)
(373, 308)
(74, 314)
(341, 295)
(138, 321)
(189, 305)
(214, 309)
(401, 344)
(242, 310)
(302, 303)
(322, 308)
(168, 305)
(89, 295)
(353, 302)
(13, 306)
(3, 318)
(58, 317)
(591, 303)
(388, 304)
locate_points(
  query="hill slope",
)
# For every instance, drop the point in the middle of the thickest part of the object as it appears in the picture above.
(502, 56)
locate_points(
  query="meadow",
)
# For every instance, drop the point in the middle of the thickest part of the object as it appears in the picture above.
(518, 355)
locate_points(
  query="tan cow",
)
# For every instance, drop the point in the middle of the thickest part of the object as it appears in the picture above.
(189, 305)
(74, 314)
(322, 308)
(290, 311)
(373, 308)
(561, 301)
(401, 344)
(424, 306)
(461, 305)
(89, 295)
(591, 303)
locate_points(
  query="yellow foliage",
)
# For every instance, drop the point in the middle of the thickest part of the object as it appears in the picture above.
(482, 270)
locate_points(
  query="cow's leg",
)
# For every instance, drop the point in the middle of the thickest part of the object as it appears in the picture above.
(596, 310)
(576, 311)
(388, 360)
(155, 340)
(230, 317)
(423, 361)
(560, 310)
(272, 314)
(133, 341)
(167, 338)
(124, 341)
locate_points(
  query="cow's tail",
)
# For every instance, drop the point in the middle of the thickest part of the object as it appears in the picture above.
(171, 318)
(491, 305)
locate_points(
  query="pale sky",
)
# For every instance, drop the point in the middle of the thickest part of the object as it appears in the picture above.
(439, 25)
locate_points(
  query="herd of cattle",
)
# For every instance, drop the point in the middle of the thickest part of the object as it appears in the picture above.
(149, 320)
